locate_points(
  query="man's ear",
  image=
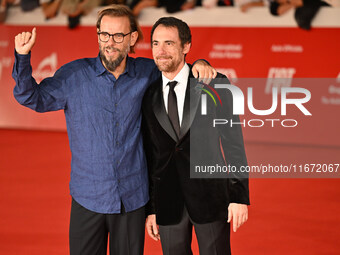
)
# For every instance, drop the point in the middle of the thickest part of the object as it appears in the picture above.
(134, 38)
(186, 48)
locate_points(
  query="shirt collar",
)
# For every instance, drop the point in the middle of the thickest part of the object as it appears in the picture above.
(181, 77)
(100, 69)
(129, 69)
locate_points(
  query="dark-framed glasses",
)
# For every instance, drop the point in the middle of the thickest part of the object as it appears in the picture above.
(117, 37)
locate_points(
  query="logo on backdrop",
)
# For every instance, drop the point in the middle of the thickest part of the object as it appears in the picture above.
(279, 77)
(46, 68)
(5, 62)
(226, 51)
(333, 96)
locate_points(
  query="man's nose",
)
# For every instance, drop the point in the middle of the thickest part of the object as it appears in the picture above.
(161, 49)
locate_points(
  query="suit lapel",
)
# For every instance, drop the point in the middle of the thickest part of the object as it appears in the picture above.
(160, 112)
(192, 98)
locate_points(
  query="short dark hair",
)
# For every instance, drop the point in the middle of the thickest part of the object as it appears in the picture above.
(119, 10)
(183, 29)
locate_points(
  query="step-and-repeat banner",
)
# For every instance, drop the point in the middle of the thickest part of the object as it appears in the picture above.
(302, 68)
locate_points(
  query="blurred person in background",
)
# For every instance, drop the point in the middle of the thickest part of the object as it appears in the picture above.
(280, 7)
(171, 6)
(4, 5)
(305, 10)
(138, 5)
(245, 5)
(49, 8)
(213, 3)
(74, 9)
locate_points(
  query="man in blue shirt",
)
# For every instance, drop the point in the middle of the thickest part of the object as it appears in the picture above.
(101, 98)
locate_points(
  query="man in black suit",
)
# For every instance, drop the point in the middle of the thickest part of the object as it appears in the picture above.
(170, 117)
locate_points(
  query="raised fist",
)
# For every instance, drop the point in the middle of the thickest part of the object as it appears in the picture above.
(25, 41)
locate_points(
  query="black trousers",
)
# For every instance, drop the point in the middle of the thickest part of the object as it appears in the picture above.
(90, 231)
(213, 238)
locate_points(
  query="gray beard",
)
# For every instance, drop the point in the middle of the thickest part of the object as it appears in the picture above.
(111, 65)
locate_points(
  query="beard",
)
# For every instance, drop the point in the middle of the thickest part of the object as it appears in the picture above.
(168, 67)
(111, 65)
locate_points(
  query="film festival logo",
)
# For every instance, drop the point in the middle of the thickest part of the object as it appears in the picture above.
(279, 94)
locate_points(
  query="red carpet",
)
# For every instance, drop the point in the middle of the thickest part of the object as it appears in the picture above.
(287, 216)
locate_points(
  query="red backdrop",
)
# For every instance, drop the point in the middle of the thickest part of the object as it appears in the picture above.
(239, 52)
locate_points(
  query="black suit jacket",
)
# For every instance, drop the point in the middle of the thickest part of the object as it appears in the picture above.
(168, 158)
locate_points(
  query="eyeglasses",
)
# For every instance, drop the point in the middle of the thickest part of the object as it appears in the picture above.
(117, 38)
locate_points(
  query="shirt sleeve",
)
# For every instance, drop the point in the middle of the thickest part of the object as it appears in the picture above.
(43, 97)
(155, 73)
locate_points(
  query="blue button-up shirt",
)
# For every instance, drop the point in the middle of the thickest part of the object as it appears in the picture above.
(103, 117)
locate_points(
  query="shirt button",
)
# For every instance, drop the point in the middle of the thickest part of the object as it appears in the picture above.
(117, 124)
(116, 104)
(117, 143)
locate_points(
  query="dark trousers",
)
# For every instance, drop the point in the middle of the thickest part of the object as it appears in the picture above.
(213, 238)
(90, 231)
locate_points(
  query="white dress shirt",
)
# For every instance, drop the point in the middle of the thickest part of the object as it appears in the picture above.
(180, 89)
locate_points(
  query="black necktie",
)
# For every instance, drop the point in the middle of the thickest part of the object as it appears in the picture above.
(172, 107)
